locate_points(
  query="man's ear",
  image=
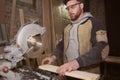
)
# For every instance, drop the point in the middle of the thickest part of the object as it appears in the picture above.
(82, 5)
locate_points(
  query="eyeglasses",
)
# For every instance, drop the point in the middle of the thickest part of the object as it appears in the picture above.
(72, 6)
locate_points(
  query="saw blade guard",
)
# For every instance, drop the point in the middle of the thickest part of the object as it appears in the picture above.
(25, 36)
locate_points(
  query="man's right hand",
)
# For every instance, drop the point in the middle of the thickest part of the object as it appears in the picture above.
(48, 60)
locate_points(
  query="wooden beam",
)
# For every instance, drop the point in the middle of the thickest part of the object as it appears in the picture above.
(113, 59)
(46, 23)
(76, 74)
(12, 25)
(21, 13)
(52, 26)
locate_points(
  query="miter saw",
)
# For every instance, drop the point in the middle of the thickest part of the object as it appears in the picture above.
(24, 42)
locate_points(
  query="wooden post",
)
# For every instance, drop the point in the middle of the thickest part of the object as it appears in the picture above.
(21, 13)
(12, 25)
(46, 22)
(52, 26)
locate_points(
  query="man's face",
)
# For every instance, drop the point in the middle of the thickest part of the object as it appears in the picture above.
(74, 8)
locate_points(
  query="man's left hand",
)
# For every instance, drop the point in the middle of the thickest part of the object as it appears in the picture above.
(67, 67)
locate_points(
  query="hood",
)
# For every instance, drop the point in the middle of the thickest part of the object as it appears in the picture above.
(84, 18)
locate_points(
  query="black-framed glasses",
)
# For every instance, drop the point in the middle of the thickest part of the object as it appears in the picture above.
(72, 6)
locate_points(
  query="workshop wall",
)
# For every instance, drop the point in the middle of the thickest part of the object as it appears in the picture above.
(29, 12)
(30, 15)
(2, 11)
(51, 14)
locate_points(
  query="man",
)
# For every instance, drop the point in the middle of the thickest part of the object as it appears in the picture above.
(84, 42)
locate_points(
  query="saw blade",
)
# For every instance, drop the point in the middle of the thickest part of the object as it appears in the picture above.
(25, 32)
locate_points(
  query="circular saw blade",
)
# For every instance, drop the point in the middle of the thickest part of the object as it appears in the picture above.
(23, 35)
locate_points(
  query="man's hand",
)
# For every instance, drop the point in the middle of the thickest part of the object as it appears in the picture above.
(67, 67)
(49, 60)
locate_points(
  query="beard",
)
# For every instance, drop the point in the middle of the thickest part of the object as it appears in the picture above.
(75, 16)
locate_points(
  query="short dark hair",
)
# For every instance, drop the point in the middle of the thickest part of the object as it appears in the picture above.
(65, 1)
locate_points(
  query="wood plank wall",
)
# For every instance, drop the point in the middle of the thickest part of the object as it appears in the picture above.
(2, 11)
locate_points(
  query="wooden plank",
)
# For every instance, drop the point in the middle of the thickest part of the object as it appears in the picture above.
(113, 59)
(12, 25)
(52, 26)
(21, 13)
(3, 32)
(46, 23)
(76, 74)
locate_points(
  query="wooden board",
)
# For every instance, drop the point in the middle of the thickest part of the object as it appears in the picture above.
(12, 23)
(113, 59)
(76, 74)
(21, 13)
